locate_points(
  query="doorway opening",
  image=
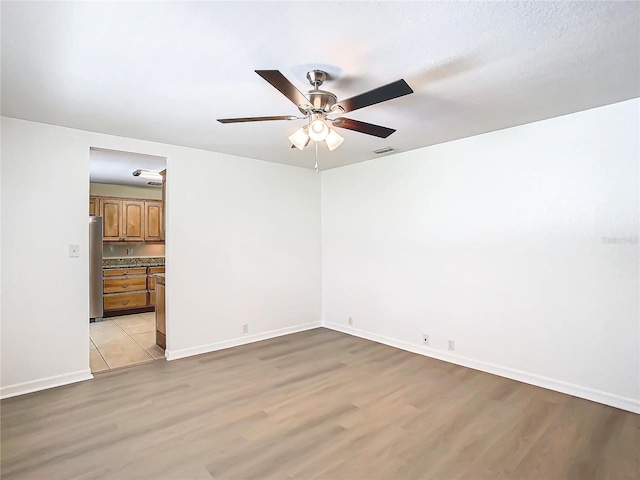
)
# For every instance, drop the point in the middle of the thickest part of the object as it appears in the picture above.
(127, 258)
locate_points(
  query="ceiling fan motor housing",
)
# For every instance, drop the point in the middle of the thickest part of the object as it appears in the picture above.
(320, 101)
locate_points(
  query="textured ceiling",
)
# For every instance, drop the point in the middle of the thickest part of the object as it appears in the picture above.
(166, 71)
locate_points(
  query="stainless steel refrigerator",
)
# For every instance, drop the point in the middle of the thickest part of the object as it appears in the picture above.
(95, 269)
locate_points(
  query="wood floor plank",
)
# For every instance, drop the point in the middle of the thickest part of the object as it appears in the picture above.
(316, 404)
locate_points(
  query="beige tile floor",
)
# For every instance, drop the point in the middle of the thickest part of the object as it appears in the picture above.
(118, 342)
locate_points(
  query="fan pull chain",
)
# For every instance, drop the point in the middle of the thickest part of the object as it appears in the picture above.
(316, 157)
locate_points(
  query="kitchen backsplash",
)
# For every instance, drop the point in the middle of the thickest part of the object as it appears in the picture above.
(119, 251)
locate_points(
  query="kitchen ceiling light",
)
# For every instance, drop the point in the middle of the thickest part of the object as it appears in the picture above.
(148, 175)
(300, 138)
(333, 140)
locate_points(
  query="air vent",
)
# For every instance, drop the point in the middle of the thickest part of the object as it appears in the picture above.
(384, 150)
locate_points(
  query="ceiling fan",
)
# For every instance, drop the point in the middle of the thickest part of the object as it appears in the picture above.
(317, 105)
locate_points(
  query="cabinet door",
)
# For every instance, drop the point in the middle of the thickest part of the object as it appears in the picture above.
(153, 221)
(94, 206)
(133, 220)
(111, 213)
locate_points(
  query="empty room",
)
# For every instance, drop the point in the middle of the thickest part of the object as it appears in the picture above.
(333, 240)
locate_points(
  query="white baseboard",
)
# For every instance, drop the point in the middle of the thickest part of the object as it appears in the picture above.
(234, 342)
(624, 403)
(44, 383)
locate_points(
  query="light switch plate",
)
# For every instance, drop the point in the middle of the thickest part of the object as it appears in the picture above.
(74, 251)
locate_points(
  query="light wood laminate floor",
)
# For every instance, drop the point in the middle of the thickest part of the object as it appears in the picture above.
(317, 404)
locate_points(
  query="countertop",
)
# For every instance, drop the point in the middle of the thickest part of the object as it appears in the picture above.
(133, 262)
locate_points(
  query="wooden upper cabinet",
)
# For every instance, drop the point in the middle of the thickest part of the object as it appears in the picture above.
(111, 213)
(129, 219)
(133, 220)
(94, 206)
(153, 221)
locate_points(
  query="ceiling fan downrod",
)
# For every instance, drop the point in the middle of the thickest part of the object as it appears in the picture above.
(316, 78)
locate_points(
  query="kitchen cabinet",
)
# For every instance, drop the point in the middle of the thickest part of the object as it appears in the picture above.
(161, 318)
(124, 301)
(111, 213)
(124, 284)
(132, 220)
(151, 283)
(124, 289)
(129, 289)
(153, 215)
(94, 206)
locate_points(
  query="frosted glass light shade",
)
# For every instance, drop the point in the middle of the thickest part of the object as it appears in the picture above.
(148, 175)
(318, 130)
(300, 138)
(333, 140)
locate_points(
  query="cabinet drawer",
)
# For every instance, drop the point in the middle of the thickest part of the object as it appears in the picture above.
(117, 272)
(124, 284)
(117, 301)
(156, 270)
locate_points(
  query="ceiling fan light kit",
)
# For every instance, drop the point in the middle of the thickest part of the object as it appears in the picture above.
(318, 130)
(333, 140)
(300, 138)
(318, 104)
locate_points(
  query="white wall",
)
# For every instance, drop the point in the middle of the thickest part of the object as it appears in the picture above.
(496, 242)
(262, 220)
(45, 187)
(243, 247)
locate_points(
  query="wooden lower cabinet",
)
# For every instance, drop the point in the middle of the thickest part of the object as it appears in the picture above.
(119, 272)
(124, 284)
(151, 283)
(161, 325)
(129, 290)
(123, 301)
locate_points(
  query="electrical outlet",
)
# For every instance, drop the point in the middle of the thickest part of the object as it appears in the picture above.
(451, 345)
(245, 328)
(130, 251)
(351, 321)
(425, 339)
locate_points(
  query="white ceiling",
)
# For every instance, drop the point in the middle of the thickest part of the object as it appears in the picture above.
(115, 167)
(165, 71)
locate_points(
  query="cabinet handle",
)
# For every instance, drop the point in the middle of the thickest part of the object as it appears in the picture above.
(124, 302)
(125, 285)
(124, 273)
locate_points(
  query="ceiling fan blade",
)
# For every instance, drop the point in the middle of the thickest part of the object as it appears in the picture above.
(279, 81)
(256, 119)
(363, 127)
(390, 91)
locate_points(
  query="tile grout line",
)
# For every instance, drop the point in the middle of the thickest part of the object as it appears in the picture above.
(131, 336)
(101, 356)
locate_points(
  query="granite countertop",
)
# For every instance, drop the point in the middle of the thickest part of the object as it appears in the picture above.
(133, 262)
(159, 275)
